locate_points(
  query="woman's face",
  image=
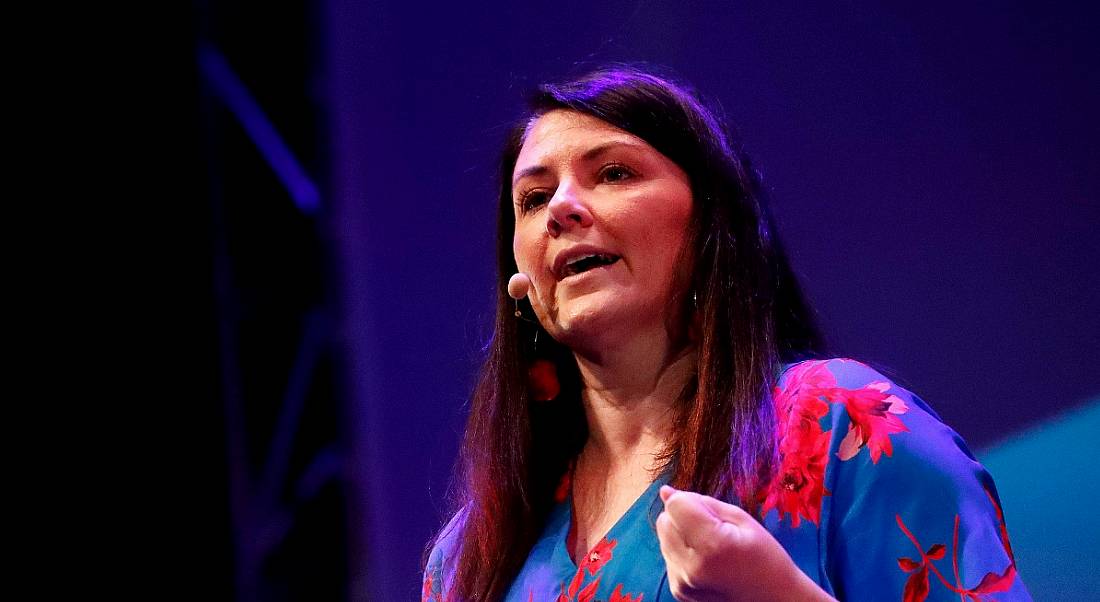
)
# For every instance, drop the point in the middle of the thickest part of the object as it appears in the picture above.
(602, 220)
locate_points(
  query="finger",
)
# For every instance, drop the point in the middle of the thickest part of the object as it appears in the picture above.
(667, 533)
(671, 541)
(677, 555)
(691, 517)
(665, 491)
(729, 513)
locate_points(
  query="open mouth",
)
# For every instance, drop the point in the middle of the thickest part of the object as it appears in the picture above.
(586, 263)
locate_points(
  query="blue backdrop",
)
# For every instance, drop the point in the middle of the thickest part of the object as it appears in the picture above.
(933, 168)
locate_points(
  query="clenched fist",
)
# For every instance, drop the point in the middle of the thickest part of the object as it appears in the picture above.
(716, 552)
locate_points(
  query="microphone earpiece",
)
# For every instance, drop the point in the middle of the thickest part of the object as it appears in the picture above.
(518, 286)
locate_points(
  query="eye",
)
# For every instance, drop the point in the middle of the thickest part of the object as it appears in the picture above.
(532, 199)
(616, 173)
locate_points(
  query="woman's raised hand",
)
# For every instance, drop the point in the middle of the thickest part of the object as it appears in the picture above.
(717, 552)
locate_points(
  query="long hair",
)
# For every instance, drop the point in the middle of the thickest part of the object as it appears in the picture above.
(749, 313)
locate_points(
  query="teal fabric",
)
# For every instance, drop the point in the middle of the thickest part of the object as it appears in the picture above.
(1047, 478)
(867, 473)
(635, 540)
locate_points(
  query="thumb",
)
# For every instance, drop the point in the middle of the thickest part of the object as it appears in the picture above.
(666, 492)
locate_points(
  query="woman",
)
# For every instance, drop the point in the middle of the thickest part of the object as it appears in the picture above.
(647, 425)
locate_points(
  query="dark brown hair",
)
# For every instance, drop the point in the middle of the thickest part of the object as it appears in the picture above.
(749, 311)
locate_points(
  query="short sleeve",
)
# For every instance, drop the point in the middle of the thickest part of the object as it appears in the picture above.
(909, 514)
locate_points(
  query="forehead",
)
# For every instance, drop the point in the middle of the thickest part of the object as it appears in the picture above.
(561, 134)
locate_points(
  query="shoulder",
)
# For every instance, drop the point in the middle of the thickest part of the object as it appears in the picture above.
(439, 569)
(870, 415)
(837, 372)
(844, 427)
(872, 412)
(895, 490)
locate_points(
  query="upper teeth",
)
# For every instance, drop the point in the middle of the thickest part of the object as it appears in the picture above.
(581, 258)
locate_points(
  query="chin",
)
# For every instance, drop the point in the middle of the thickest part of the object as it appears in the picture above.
(592, 323)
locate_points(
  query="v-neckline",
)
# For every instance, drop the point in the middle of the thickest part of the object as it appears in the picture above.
(562, 547)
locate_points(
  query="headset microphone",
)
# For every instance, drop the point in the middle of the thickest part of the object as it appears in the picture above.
(518, 286)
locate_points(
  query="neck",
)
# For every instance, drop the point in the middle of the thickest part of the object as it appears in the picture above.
(630, 396)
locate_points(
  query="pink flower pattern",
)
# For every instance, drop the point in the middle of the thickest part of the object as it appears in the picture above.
(797, 489)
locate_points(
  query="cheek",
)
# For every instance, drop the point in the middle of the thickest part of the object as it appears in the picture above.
(528, 249)
(665, 241)
(668, 240)
(666, 232)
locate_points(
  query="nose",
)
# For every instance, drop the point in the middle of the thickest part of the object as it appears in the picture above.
(566, 211)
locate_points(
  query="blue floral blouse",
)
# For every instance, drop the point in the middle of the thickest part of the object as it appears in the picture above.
(875, 499)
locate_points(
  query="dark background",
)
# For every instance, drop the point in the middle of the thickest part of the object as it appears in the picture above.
(933, 169)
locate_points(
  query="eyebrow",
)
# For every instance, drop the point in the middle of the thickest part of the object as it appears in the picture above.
(589, 155)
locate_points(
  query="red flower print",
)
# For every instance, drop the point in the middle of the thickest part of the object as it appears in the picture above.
(430, 595)
(588, 592)
(427, 595)
(1001, 521)
(574, 585)
(798, 488)
(572, 595)
(811, 376)
(598, 556)
(993, 583)
(619, 596)
(799, 485)
(874, 417)
(917, 586)
(593, 561)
